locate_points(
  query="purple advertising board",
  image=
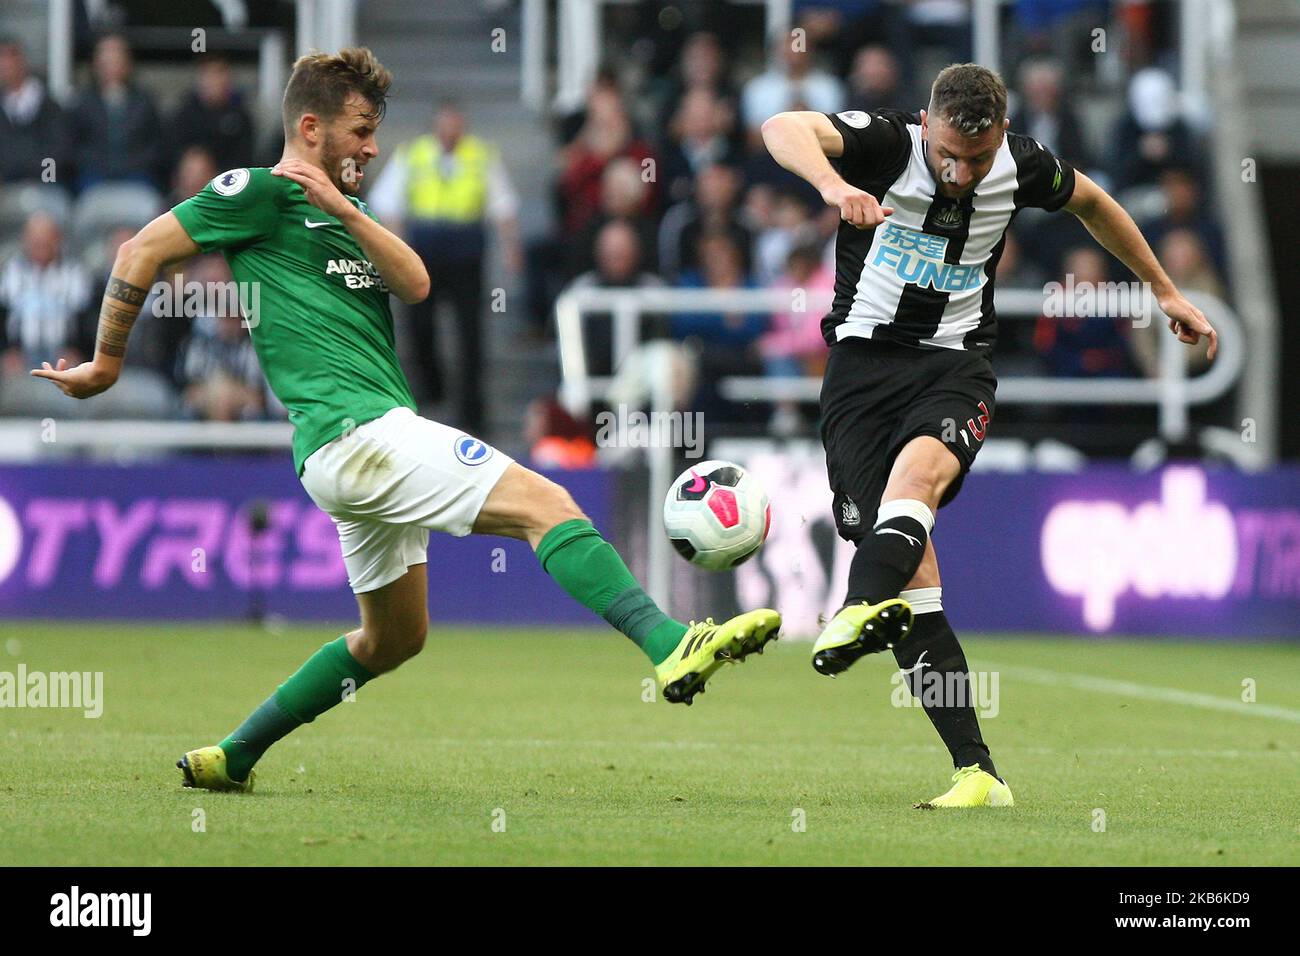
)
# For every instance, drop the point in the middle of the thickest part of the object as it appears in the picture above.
(175, 540)
(1184, 550)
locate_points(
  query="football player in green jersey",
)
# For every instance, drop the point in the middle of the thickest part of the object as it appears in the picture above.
(324, 268)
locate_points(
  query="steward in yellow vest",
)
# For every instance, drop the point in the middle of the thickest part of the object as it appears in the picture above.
(440, 190)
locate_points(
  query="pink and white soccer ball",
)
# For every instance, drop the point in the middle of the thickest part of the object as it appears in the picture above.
(717, 515)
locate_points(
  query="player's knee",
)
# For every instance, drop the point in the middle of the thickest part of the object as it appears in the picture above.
(413, 639)
(384, 648)
(923, 481)
(556, 506)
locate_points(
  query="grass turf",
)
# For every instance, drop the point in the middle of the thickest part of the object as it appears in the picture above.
(547, 733)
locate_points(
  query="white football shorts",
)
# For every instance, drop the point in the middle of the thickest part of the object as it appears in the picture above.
(391, 481)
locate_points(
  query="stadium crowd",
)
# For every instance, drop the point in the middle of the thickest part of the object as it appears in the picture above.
(660, 179)
(663, 179)
(91, 171)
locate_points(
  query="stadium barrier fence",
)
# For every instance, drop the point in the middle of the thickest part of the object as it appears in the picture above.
(1172, 393)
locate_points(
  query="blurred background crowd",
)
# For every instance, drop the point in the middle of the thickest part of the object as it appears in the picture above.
(657, 178)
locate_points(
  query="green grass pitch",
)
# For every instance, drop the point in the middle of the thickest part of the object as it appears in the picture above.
(535, 747)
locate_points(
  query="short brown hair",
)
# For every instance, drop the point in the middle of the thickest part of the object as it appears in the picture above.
(968, 97)
(321, 82)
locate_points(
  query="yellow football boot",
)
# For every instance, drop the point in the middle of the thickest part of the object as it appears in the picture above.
(205, 769)
(707, 646)
(860, 629)
(973, 787)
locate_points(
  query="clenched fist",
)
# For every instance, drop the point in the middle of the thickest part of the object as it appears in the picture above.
(857, 208)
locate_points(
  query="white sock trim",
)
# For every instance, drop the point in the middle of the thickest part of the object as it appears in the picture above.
(918, 511)
(924, 600)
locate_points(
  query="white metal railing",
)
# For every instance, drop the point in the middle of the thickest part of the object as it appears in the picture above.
(1172, 393)
(532, 57)
(1249, 254)
(30, 438)
(58, 67)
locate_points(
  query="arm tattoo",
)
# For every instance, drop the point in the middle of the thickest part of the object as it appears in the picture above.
(122, 303)
(125, 292)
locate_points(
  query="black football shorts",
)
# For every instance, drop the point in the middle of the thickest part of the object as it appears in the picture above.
(878, 396)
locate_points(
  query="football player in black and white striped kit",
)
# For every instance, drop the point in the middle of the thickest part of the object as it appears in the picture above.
(908, 396)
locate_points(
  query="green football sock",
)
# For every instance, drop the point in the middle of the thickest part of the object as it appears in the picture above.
(313, 689)
(588, 567)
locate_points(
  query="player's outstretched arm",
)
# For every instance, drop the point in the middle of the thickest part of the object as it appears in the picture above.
(158, 244)
(399, 266)
(1115, 229)
(801, 141)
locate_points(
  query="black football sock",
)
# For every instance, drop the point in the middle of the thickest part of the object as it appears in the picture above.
(942, 681)
(887, 558)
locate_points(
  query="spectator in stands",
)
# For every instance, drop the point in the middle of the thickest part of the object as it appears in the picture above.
(714, 208)
(842, 27)
(1073, 347)
(593, 137)
(702, 66)
(115, 128)
(721, 266)
(699, 136)
(605, 135)
(444, 188)
(194, 170)
(1062, 29)
(1015, 350)
(213, 115)
(1184, 257)
(1185, 208)
(1014, 270)
(1046, 240)
(793, 346)
(725, 342)
(33, 128)
(555, 438)
(1046, 115)
(792, 82)
(596, 137)
(622, 197)
(1151, 136)
(876, 81)
(619, 257)
(216, 366)
(788, 222)
(223, 382)
(1187, 261)
(944, 24)
(45, 303)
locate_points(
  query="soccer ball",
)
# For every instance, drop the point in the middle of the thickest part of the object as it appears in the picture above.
(716, 515)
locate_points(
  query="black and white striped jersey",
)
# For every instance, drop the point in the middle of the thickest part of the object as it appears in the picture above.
(924, 277)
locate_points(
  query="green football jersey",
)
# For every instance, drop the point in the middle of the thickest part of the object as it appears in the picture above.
(317, 308)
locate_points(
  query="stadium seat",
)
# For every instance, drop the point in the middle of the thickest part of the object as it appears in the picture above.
(20, 200)
(141, 393)
(104, 207)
